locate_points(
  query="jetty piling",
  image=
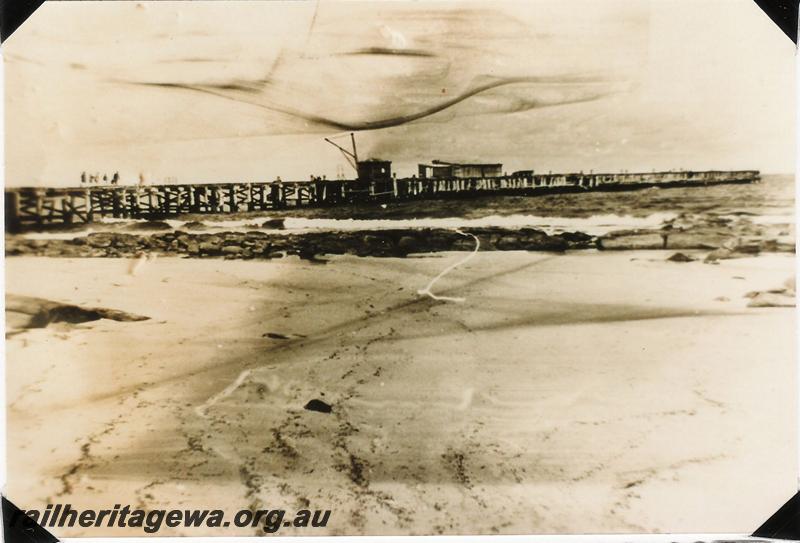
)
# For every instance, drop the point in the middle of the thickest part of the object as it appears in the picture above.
(36, 207)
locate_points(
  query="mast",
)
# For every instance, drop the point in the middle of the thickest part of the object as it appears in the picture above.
(355, 152)
(350, 156)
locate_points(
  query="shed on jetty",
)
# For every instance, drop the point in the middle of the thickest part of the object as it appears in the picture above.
(439, 169)
(374, 169)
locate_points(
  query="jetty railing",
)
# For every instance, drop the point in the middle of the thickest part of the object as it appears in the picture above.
(32, 207)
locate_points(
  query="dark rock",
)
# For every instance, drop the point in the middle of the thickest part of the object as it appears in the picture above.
(195, 225)
(208, 247)
(260, 247)
(99, 239)
(576, 237)
(372, 245)
(508, 243)
(532, 239)
(125, 241)
(319, 406)
(310, 254)
(230, 238)
(148, 225)
(274, 224)
(407, 244)
(577, 240)
(462, 244)
(681, 257)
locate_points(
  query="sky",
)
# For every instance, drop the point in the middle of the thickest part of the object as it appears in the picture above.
(246, 91)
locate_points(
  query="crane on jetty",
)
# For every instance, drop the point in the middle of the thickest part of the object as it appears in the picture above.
(350, 156)
(373, 175)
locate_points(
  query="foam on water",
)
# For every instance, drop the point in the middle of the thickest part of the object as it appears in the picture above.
(596, 225)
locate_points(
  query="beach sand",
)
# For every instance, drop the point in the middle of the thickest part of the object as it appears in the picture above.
(585, 392)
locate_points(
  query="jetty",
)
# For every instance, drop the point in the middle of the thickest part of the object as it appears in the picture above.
(38, 207)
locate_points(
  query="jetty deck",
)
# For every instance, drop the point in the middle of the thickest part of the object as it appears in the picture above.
(35, 207)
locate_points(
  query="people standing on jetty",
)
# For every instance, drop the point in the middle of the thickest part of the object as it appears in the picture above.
(94, 179)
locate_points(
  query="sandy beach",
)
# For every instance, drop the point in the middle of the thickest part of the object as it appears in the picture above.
(585, 392)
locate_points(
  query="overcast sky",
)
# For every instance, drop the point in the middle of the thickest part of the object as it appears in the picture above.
(226, 91)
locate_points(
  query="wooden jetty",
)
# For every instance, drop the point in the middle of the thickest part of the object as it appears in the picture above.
(31, 207)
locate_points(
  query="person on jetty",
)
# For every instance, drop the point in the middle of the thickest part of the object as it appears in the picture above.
(275, 192)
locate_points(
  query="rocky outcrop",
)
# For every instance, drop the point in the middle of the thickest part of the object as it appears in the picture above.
(24, 312)
(725, 236)
(779, 297)
(309, 245)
